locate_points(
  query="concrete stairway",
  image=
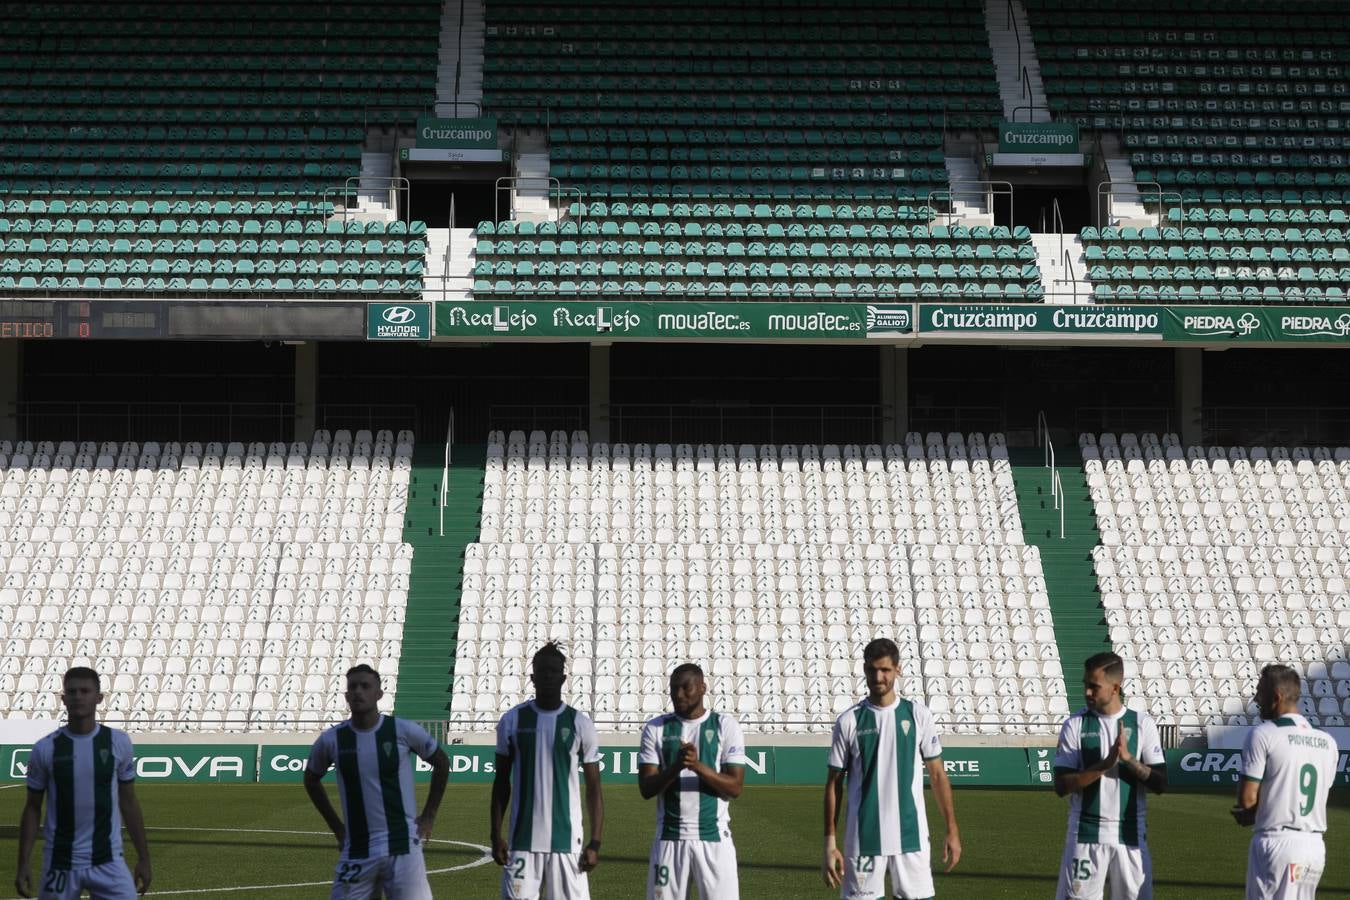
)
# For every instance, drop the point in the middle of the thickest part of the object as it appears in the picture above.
(1070, 581)
(970, 203)
(460, 245)
(373, 192)
(1055, 274)
(1004, 42)
(426, 668)
(533, 195)
(1125, 208)
(459, 76)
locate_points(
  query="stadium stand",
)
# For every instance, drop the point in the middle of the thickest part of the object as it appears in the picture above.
(1215, 561)
(216, 587)
(184, 149)
(805, 100)
(770, 565)
(1243, 103)
(738, 250)
(1219, 264)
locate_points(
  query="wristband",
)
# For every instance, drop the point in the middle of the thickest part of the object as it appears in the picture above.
(594, 845)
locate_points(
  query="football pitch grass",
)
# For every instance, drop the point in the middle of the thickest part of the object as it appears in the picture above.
(267, 841)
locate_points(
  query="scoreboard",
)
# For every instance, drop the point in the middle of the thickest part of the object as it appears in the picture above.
(80, 319)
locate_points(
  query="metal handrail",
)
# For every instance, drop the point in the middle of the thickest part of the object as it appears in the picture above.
(1073, 277)
(988, 193)
(508, 182)
(456, 104)
(449, 249)
(1030, 108)
(1107, 189)
(445, 470)
(396, 184)
(1010, 23)
(1057, 489)
(366, 110)
(1026, 86)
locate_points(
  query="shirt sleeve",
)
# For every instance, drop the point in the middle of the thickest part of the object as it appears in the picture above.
(320, 757)
(504, 732)
(930, 743)
(39, 769)
(417, 739)
(1067, 754)
(125, 755)
(733, 743)
(840, 746)
(1254, 755)
(1150, 744)
(588, 748)
(649, 750)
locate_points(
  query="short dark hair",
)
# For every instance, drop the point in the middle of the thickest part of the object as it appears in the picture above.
(1108, 662)
(687, 669)
(77, 673)
(881, 648)
(549, 655)
(1284, 679)
(363, 669)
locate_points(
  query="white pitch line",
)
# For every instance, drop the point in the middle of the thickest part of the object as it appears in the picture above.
(5, 787)
(481, 861)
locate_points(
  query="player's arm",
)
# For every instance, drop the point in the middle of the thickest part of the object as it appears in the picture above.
(942, 795)
(832, 868)
(130, 808)
(595, 811)
(501, 800)
(29, 820)
(440, 774)
(1071, 781)
(1133, 770)
(653, 780)
(1248, 799)
(319, 797)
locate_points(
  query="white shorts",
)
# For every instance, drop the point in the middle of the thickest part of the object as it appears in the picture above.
(402, 877)
(1285, 864)
(557, 876)
(708, 865)
(911, 876)
(109, 881)
(1087, 868)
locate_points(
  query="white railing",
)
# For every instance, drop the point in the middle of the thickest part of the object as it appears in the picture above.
(445, 469)
(1056, 484)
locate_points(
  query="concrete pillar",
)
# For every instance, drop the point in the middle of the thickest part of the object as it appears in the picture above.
(306, 389)
(11, 364)
(599, 393)
(1188, 372)
(894, 394)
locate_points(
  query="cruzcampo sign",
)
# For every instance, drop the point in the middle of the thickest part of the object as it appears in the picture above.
(636, 320)
(456, 134)
(1037, 138)
(1039, 319)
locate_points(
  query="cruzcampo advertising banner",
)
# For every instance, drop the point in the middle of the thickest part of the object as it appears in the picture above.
(456, 134)
(684, 319)
(1039, 319)
(1037, 137)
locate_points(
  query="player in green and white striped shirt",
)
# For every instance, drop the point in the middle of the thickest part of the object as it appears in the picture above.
(693, 762)
(1287, 770)
(86, 772)
(380, 841)
(1108, 757)
(883, 745)
(540, 746)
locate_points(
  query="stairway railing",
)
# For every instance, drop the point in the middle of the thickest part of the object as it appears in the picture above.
(1056, 483)
(445, 470)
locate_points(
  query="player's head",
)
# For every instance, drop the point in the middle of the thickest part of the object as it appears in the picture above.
(1102, 676)
(1278, 691)
(548, 669)
(363, 689)
(881, 666)
(687, 688)
(81, 691)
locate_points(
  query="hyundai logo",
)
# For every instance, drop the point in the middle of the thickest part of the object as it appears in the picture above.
(399, 315)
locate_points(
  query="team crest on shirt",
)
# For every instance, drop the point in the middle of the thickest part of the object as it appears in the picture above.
(565, 734)
(388, 747)
(103, 755)
(904, 726)
(708, 735)
(1129, 734)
